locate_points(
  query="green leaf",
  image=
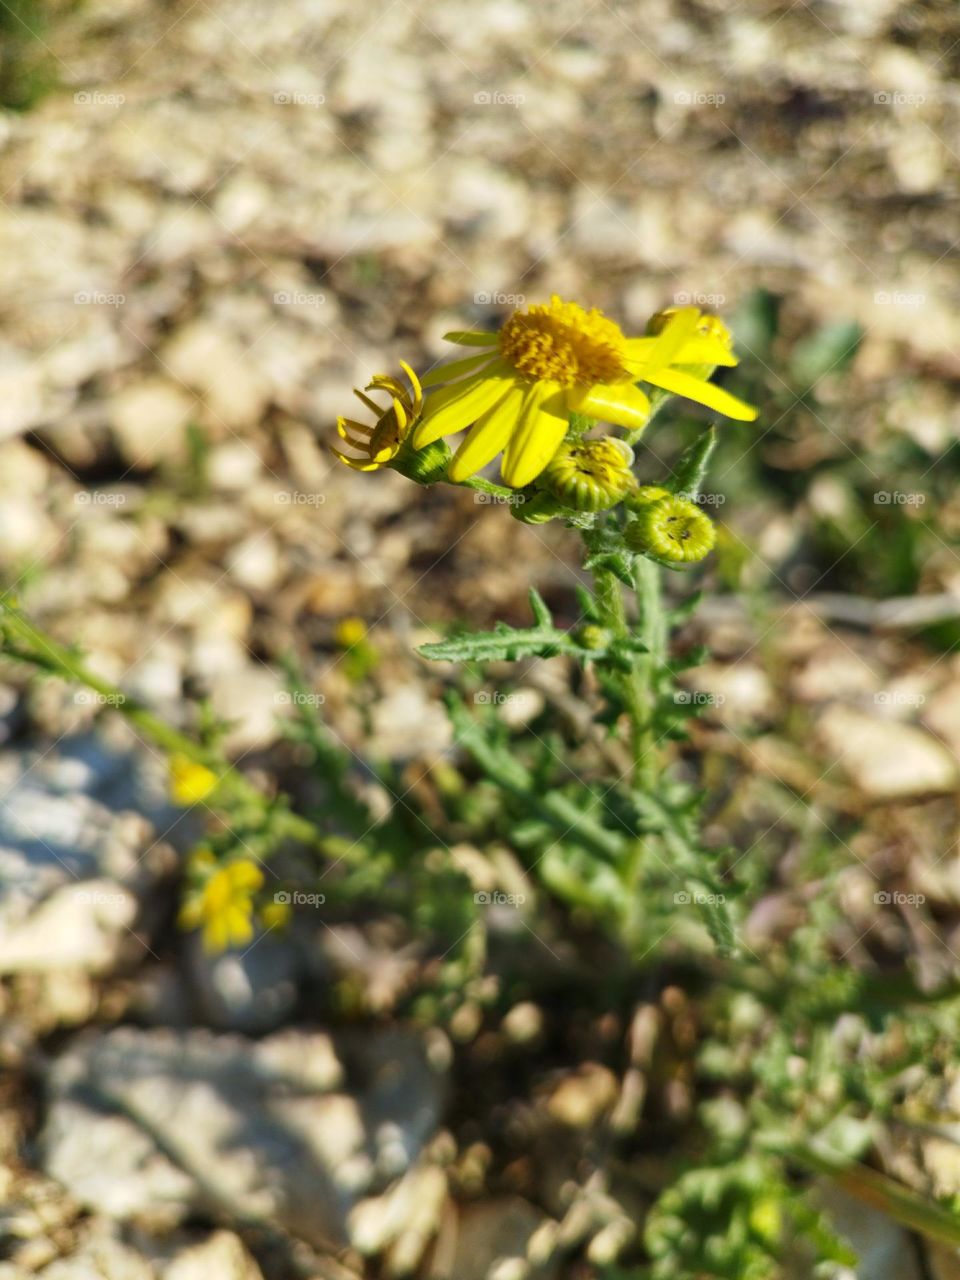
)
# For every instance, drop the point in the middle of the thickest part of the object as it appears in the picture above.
(508, 644)
(829, 350)
(687, 478)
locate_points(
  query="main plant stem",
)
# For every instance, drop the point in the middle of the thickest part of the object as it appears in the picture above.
(638, 688)
(638, 685)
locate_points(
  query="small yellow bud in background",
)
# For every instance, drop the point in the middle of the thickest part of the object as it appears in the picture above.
(350, 632)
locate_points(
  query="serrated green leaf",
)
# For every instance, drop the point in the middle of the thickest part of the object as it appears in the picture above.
(688, 475)
(508, 644)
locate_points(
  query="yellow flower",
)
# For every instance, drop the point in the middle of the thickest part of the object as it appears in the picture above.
(590, 475)
(190, 782)
(350, 632)
(551, 361)
(380, 443)
(276, 914)
(223, 905)
(673, 529)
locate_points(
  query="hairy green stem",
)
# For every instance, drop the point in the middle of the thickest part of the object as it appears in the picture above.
(653, 633)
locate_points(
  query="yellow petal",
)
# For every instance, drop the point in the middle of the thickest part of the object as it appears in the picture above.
(216, 935)
(190, 915)
(447, 371)
(238, 925)
(356, 464)
(681, 326)
(471, 339)
(487, 437)
(245, 875)
(621, 403)
(461, 405)
(365, 400)
(683, 384)
(696, 350)
(536, 437)
(415, 384)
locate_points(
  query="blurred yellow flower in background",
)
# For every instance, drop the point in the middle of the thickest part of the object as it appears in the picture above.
(190, 783)
(349, 632)
(222, 905)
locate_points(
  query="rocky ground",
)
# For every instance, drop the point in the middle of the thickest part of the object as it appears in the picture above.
(212, 226)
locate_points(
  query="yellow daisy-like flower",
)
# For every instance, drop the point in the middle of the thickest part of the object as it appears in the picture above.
(590, 475)
(551, 361)
(673, 529)
(223, 905)
(380, 442)
(190, 783)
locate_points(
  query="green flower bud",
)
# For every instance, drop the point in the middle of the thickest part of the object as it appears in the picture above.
(537, 509)
(673, 529)
(593, 637)
(591, 475)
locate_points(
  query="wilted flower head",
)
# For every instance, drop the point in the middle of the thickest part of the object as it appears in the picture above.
(380, 442)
